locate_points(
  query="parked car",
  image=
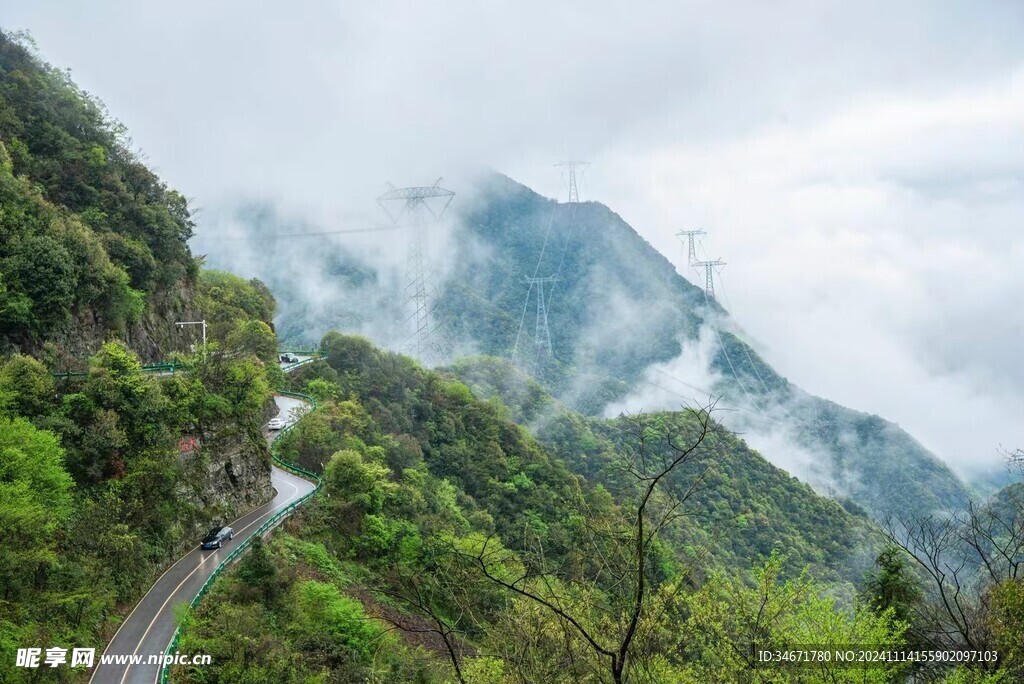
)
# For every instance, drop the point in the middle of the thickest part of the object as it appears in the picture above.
(216, 537)
(289, 358)
(276, 424)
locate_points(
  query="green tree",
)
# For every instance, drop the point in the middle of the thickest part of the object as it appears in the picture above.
(254, 337)
(257, 569)
(1006, 622)
(726, 624)
(892, 585)
(26, 387)
(330, 622)
(35, 499)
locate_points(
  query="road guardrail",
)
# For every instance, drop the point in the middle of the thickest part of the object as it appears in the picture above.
(270, 523)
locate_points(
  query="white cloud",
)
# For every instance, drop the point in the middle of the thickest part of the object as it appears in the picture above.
(877, 255)
(859, 165)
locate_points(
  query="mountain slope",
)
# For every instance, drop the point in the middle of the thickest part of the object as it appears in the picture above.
(415, 466)
(620, 306)
(619, 315)
(747, 505)
(92, 243)
(106, 474)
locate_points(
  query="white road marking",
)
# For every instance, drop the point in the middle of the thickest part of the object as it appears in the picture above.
(295, 491)
(212, 555)
(121, 626)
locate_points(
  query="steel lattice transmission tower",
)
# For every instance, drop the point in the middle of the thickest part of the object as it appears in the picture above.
(688, 236)
(541, 332)
(709, 270)
(417, 208)
(574, 193)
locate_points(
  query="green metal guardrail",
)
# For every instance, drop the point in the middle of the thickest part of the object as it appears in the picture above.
(293, 366)
(165, 671)
(171, 368)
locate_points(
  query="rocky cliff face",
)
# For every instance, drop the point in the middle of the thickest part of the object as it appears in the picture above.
(153, 338)
(229, 475)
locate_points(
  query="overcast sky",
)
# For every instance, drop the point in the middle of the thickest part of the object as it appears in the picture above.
(860, 166)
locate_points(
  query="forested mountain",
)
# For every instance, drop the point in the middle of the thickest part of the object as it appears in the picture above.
(420, 474)
(108, 473)
(618, 308)
(450, 545)
(92, 243)
(749, 504)
(474, 524)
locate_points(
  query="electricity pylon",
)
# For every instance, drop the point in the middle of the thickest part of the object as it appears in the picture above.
(689, 235)
(417, 208)
(574, 194)
(709, 270)
(541, 332)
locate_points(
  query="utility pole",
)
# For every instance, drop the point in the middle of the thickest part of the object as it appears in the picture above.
(417, 208)
(541, 333)
(709, 269)
(182, 324)
(574, 194)
(688, 236)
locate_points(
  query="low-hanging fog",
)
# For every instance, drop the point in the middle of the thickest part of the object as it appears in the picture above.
(860, 166)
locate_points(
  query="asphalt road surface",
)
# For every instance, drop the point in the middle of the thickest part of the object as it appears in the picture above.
(150, 626)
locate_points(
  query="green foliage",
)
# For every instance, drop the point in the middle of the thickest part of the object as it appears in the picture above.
(35, 499)
(754, 507)
(330, 621)
(331, 428)
(892, 585)
(312, 632)
(26, 387)
(69, 556)
(359, 483)
(727, 622)
(93, 247)
(323, 390)
(257, 569)
(419, 473)
(230, 302)
(1007, 626)
(87, 232)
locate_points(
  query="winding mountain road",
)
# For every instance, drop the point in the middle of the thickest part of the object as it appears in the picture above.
(150, 626)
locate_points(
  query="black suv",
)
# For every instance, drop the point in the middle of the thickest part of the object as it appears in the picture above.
(216, 537)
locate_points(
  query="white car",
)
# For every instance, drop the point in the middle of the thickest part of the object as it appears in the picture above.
(276, 424)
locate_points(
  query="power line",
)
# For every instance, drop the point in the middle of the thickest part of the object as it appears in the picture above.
(565, 248)
(542, 334)
(417, 207)
(721, 284)
(709, 291)
(536, 270)
(691, 254)
(572, 165)
(282, 236)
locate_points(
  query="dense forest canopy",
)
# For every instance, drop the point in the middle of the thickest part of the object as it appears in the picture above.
(89, 236)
